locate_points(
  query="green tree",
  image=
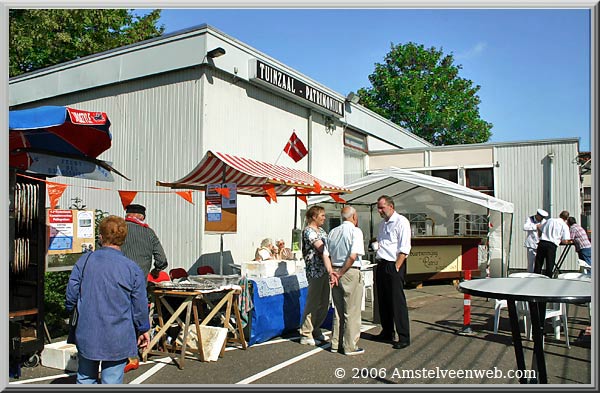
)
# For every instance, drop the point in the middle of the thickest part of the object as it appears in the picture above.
(420, 90)
(41, 38)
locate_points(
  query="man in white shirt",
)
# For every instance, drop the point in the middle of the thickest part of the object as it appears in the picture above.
(344, 247)
(533, 226)
(394, 247)
(554, 232)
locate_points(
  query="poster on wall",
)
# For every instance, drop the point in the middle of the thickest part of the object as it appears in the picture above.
(220, 208)
(70, 233)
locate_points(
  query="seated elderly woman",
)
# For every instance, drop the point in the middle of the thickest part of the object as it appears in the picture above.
(266, 250)
(283, 252)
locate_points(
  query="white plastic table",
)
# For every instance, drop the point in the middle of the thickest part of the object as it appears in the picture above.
(536, 291)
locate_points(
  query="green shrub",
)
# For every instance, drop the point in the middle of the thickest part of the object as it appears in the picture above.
(55, 289)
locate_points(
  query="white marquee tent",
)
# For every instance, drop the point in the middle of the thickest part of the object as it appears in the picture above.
(441, 200)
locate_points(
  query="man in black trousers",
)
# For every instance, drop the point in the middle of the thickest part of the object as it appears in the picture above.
(392, 252)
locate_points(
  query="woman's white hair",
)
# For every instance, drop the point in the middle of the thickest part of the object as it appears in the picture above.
(266, 242)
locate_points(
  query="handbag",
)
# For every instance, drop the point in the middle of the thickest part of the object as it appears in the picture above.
(74, 317)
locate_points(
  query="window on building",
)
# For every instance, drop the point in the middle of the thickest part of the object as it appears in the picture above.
(471, 224)
(587, 193)
(355, 140)
(481, 179)
(355, 151)
(418, 224)
(448, 174)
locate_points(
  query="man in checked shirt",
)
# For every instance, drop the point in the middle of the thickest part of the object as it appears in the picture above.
(581, 241)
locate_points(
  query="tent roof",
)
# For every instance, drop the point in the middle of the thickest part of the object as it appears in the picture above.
(401, 183)
(249, 175)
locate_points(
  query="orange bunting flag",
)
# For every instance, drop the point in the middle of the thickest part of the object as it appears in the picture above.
(303, 198)
(223, 191)
(317, 187)
(55, 191)
(187, 195)
(303, 190)
(268, 198)
(127, 197)
(270, 190)
(336, 197)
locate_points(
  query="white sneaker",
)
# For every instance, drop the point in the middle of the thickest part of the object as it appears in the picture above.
(320, 337)
(308, 341)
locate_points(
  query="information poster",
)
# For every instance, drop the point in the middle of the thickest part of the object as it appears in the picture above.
(220, 208)
(70, 233)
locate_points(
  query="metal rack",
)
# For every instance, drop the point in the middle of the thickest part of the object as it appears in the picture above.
(27, 242)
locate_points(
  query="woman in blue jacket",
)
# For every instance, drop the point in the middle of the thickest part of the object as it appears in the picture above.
(109, 290)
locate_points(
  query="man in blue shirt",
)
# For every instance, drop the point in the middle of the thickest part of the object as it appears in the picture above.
(344, 247)
(110, 293)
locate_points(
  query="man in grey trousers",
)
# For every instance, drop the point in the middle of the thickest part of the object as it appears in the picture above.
(344, 247)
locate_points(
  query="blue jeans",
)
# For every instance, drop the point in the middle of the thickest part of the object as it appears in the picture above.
(586, 255)
(112, 371)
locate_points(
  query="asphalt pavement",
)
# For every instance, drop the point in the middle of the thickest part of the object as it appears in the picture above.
(438, 354)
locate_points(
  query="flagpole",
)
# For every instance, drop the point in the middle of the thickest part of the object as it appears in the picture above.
(281, 152)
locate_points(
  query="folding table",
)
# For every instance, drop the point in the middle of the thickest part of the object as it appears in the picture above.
(192, 301)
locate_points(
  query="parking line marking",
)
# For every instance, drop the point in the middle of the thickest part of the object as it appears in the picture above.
(291, 361)
(160, 364)
(41, 379)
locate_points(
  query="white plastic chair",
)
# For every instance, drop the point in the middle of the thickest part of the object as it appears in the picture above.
(584, 267)
(557, 313)
(579, 277)
(368, 287)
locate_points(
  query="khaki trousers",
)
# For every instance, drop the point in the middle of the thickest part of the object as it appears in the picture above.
(316, 307)
(347, 297)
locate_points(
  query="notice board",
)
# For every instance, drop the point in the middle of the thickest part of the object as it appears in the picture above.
(68, 232)
(220, 208)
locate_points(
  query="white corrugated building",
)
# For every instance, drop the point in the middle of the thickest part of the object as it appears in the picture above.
(173, 98)
(530, 174)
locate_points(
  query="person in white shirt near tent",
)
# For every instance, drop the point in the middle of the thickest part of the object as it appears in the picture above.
(554, 232)
(533, 226)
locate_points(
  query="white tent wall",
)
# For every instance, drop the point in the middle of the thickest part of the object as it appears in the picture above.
(438, 198)
(499, 245)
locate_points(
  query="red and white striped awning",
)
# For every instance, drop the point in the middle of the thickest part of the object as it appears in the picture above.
(250, 176)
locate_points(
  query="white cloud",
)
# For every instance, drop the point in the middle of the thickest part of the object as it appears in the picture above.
(471, 52)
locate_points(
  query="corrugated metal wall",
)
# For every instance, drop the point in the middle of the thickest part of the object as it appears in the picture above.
(523, 177)
(163, 125)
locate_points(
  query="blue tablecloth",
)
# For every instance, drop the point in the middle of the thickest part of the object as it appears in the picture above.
(278, 306)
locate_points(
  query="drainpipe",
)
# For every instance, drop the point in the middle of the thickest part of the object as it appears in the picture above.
(550, 183)
(309, 128)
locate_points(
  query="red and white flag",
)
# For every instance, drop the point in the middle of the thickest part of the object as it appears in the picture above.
(295, 148)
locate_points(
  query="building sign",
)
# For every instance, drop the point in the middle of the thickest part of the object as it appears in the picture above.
(433, 259)
(271, 77)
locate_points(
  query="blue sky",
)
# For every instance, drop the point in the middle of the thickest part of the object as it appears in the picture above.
(533, 66)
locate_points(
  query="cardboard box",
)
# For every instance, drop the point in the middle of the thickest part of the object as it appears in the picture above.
(213, 339)
(61, 356)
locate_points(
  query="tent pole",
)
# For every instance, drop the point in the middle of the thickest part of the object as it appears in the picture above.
(221, 242)
(371, 222)
(502, 248)
(295, 209)
(509, 241)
